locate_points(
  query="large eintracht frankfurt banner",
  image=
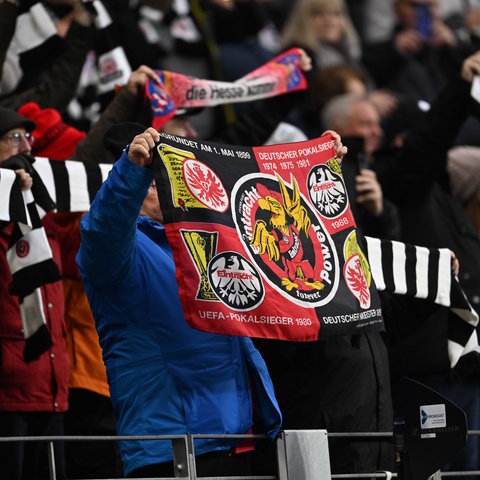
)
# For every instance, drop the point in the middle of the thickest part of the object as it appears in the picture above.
(264, 239)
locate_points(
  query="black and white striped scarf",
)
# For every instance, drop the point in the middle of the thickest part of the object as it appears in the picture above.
(396, 267)
(36, 39)
(71, 184)
(113, 66)
(67, 186)
(12, 206)
(105, 68)
(29, 255)
(426, 273)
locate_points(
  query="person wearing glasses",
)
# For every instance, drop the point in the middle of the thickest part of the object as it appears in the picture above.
(33, 395)
(14, 139)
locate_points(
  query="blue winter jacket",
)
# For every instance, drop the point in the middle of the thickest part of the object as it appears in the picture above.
(165, 378)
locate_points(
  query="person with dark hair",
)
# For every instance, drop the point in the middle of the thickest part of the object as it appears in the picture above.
(418, 58)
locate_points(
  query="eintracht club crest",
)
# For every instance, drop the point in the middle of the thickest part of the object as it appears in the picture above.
(285, 239)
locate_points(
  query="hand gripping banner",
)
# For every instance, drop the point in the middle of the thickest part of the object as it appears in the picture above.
(264, 239)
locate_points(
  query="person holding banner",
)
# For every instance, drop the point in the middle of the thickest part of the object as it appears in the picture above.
(255, 127)
(165, 377)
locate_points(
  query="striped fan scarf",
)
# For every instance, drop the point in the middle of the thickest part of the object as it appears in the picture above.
(104, 69)
(172, 91)
(35, 34)
(12, 206)
(36, 38)
(426, 273)
(68, 186)
(71, 184)
(396, 267)
(29, 255)
(113, 66)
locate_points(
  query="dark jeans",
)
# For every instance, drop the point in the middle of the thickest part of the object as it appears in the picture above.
(91, 414)
(212, 464)
(29, 460)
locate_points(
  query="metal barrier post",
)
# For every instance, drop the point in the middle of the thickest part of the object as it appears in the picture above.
(192, 468)
(303, 455)
(51, 461)
(180, 457)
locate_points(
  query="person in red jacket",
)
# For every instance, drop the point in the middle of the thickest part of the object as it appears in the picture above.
(33, 395)
(89, 408)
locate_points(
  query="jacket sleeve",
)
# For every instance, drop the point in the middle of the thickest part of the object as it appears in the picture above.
(383, 62)
(422, 160)
(123, 108)
(61, 83)
(108, 230)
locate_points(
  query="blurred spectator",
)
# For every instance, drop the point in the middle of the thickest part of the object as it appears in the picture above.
(186, 37)
(463, 167)
(418, 58)
(45, 65)
(90, 410)
(138, 27)
(341, 383)
(358, 120)
(324, 29)
(414, 177)
(374, 20)
(331, 81)
(128, 105)
(235, 26)
(279, 11)
(53, 137)
(33, 394)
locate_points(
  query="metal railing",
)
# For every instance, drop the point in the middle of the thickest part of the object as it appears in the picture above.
(301, 454)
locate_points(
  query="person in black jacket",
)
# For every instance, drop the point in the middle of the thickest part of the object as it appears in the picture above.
(415, 61)
(341, 383)
(48, 73)
(414, 177)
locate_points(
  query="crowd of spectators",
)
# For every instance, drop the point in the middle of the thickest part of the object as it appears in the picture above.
(397, 91)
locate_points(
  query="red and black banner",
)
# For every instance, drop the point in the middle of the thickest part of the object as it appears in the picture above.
(264, 240)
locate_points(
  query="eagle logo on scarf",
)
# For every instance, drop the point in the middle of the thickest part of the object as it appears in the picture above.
(285, 239)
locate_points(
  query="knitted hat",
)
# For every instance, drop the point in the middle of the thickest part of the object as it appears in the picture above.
(463, 166)
(53, 138)
(10, 119)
